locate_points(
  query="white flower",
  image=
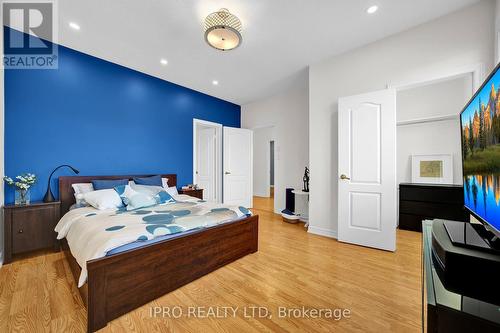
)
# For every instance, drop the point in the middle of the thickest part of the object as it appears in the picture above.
(25, 181)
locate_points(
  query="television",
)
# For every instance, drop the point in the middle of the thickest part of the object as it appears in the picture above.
(480, 138)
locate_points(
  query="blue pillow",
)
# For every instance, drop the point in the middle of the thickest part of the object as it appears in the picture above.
(108, 184)
(151, 181)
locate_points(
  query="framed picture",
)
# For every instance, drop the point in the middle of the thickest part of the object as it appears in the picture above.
(432, 169)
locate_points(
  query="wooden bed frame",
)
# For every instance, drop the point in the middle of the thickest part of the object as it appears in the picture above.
(125, 281)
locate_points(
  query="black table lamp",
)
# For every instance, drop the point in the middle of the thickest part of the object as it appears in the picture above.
(49, 197)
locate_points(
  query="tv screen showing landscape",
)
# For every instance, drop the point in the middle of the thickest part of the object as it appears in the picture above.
(480, 123)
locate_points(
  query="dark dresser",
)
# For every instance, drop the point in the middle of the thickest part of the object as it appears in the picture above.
(197, 193)
(418, 202)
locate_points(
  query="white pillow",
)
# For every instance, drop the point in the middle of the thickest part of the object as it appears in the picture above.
(172, 191)
(80, 189)
(103, 199)
(147, 189)
(164, 183)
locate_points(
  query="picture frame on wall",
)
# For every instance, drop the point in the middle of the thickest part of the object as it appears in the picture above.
(432, 169)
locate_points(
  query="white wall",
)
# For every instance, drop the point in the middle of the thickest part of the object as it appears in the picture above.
(440, 137)
(463, 38)
(497, 31)
(288, 113)
(261, 161)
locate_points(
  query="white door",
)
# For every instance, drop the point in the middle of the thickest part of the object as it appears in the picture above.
(238, 155)
(367, 170)
(205, 160)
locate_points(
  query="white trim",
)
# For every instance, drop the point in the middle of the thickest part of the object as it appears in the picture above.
(427, 120)
(262, 127)
(477, 71)
(218, 154)
(322, 232)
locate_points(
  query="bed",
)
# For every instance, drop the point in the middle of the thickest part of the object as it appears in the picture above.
(121, 282)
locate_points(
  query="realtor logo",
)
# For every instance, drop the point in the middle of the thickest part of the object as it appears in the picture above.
(30, 35)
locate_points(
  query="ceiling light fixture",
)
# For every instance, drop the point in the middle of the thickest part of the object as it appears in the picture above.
(372, 9)
(223, 30)
(215, 82)
(73, 25)
(164, 62)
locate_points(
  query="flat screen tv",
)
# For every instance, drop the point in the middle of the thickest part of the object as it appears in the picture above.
(480, 128)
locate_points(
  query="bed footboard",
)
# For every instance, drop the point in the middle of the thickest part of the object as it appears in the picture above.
(120, 283)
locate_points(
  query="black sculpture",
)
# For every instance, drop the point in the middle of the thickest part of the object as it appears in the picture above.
(306, 180)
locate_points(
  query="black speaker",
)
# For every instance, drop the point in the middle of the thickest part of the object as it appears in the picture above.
(290, 200)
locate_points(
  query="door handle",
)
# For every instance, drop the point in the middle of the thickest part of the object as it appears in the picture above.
(344, 177)
(227, 173)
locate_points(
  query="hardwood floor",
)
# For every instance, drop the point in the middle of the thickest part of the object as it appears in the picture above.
(292, 269)
(264, 204)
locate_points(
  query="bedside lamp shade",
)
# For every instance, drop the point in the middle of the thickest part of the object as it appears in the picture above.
(49, 197)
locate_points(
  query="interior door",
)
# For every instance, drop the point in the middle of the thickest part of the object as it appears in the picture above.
(205, 160)
(237, 161)
(367, 204)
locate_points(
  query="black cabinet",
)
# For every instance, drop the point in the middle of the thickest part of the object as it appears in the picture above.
(418, 202)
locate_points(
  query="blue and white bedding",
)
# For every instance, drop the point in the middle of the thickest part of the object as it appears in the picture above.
(93, 233)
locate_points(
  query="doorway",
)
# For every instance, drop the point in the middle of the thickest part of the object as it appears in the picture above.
(264, 171)
(207, 159)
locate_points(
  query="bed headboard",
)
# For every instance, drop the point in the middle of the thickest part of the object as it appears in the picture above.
(67, 195)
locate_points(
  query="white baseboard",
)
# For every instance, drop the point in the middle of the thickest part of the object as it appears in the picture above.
(322, 232)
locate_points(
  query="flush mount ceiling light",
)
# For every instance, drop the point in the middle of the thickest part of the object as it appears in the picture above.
(223, 30)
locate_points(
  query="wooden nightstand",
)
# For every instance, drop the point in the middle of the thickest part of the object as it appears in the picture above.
(194, 193)
(30, 227)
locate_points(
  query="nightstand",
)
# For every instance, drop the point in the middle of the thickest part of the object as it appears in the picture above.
(194, 193)
(30, 227)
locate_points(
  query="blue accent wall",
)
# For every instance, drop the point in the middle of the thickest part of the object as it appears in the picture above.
(102, 119)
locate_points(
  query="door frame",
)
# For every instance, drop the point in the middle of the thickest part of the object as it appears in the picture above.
(267, 193)
(277, 184)
(218, 153)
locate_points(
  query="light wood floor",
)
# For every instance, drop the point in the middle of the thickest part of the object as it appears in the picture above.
(291, 269)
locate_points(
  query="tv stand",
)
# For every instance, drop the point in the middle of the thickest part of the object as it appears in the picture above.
(472, 268)
(457, 310)
(472, 236)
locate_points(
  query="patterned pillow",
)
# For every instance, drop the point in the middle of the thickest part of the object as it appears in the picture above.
(134, 199)
(164, 197)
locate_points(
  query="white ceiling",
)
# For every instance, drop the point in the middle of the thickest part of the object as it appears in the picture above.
(280, 37)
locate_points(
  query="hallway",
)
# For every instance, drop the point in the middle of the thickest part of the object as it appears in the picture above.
(264, 203)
